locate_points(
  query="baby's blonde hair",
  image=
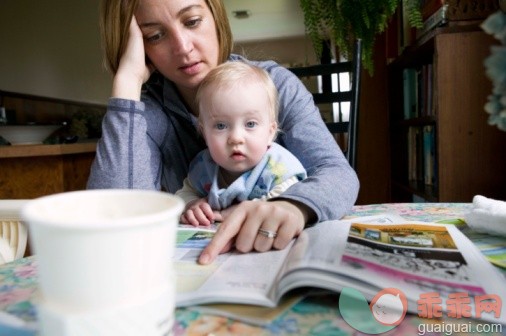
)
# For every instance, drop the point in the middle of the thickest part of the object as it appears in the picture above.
(234, 73)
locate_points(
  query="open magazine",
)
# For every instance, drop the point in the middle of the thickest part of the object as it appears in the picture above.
(368, 254)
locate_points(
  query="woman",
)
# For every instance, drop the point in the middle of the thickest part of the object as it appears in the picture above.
(159, 51)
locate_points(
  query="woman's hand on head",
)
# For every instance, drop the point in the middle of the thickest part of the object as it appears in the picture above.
(132, 70)
(241, 224)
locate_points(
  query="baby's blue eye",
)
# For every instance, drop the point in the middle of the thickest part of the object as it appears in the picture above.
(251, 124)
(220, 126)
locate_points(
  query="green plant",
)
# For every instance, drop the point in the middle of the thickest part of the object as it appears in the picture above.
(343, 21)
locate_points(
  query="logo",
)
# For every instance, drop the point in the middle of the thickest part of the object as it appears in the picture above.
(389, 306)
(386, 311)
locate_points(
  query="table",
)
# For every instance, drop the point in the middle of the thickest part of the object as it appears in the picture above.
(316, 315)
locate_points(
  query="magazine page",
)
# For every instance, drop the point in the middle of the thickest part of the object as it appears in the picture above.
(315, 258)
(250, 278)
(232, 278)
(493, 247)
(492, 280)
(419, 259)
(322, 245)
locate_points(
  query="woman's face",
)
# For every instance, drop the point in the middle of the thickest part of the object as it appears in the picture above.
(180, 39)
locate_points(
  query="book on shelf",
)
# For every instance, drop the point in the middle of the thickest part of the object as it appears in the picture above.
(440, 12)
(415, 154)
(422, 163)
(425, 95)
(465, 10)
(419, 155)
(418, 91)
(409, 93)
(436, 19)
(367, 254)
(429, 85)
(429, 155)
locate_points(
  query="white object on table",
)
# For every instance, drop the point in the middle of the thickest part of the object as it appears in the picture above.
(487, 215)
(13, 232)
(103, 261)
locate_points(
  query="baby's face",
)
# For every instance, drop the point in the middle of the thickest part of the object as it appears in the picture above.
(237, 125)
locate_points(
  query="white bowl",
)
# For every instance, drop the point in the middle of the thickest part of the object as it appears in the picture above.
(27, 134)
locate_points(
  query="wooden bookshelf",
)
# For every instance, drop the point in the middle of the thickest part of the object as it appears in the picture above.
(469, 153)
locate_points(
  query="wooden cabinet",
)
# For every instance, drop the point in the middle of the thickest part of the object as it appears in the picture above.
(469, 154)
(31, 171)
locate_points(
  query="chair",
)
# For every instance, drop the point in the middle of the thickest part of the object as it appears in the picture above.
(335, 121)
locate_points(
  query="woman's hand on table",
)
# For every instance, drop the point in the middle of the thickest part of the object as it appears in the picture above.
(133, 70)
(250, 226)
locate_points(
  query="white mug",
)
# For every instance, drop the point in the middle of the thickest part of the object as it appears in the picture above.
(103, 255)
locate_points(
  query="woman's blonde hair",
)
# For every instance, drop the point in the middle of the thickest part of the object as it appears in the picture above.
(236, 73)
(115, 18)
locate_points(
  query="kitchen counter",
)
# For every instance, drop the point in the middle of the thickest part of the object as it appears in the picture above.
(47, 150)
(30, 171)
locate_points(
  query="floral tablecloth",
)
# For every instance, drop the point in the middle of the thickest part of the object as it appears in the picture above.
(314, 315)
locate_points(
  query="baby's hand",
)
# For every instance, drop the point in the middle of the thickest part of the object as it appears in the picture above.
(197, 213)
